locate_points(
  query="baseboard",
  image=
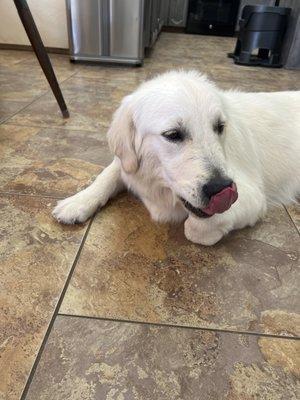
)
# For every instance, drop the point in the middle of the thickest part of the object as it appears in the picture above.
(25, 47)
(175, 29)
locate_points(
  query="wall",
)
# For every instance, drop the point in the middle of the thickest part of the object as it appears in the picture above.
(291, 48)
(49, 16)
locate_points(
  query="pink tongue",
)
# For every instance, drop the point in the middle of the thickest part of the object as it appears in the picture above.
(222, 201)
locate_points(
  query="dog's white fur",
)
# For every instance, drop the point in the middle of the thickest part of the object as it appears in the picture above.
(259, 149)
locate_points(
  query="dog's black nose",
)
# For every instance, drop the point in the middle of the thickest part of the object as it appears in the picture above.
(215, 186)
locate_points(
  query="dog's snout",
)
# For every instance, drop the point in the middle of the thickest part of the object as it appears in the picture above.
(216, 185)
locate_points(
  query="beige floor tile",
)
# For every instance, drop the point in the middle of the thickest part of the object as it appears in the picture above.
(53, 162)
(22, 79)
(36, 255)
(134, 269)
(10, 58)
(90, 102)
(25, 64)
(92, 359)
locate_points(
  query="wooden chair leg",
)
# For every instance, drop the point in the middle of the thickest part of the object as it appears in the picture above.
(40, 51)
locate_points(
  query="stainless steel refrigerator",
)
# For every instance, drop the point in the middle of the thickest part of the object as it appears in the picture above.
(113, 30)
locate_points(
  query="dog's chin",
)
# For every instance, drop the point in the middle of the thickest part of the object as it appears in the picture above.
(196, 211)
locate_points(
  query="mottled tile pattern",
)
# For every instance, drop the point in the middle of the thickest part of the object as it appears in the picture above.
(276, 229)
(92, 95)
(52, 162)
(11, 58)
(26, 64)
(130, 267)
(15, 94)
(208, 55)
(90, 102)
(10, 107)
(36, 255)
(22, 80)
(90, 359)
(62, 66)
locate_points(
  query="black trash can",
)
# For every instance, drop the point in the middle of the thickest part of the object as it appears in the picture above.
(261, 28)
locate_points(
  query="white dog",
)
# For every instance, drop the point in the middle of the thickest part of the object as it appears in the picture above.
(193, 152)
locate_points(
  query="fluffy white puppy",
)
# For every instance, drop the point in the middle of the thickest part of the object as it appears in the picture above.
(193, 152)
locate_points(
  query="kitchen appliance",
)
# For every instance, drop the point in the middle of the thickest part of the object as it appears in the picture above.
(212, 17)
(115, 31)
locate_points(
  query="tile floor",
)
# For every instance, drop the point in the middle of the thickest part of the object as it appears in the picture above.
(122, 308)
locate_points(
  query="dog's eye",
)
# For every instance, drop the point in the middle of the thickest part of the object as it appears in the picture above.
(174, 135)
(219, 127)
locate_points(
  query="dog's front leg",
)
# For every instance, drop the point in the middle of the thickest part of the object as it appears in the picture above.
(248, 209)
(81, 206)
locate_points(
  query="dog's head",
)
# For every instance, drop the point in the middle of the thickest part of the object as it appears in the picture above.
(173, 128)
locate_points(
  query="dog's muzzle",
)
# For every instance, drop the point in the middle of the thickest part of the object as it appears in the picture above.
(218, 203)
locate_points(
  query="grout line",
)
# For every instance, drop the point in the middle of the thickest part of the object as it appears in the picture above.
(60, 300)
(292, 221)
(159, 324)
(23, 108)
(37, 98)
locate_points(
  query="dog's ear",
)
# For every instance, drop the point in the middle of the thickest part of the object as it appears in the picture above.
(121, 136)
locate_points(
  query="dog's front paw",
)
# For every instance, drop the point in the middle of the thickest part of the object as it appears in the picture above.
(199, 232)
(73, 210)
